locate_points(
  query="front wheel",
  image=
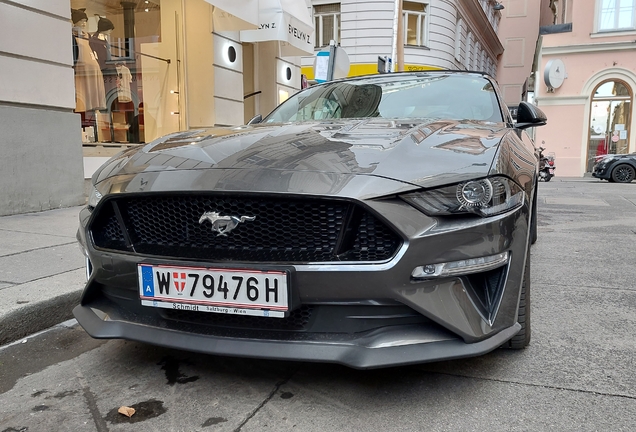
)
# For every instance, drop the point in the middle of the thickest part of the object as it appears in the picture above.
(522, 339)
(623, 173)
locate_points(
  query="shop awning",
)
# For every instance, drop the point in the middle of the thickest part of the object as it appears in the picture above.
(286, 21)
(233, 15)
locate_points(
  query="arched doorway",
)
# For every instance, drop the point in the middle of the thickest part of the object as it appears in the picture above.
(609, 121)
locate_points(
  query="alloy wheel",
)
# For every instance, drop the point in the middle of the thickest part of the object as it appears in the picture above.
(623, 174)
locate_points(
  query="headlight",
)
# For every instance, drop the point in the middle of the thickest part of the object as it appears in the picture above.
(604, 161)
(94, 197)
(485, 197)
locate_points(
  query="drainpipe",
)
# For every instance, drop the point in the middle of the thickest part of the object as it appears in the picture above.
(396, 18)
(400, 32)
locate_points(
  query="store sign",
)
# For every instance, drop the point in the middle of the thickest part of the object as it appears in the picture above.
(300, 35)
(286, 21)
(321, 66)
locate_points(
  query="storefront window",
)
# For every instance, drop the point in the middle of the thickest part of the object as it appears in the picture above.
(616, 14)
(113, 44)
(415, 31)
(609, 121)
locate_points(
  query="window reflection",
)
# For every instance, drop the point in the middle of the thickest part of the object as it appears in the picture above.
(610, 116)
(110, 41)
(439, 96)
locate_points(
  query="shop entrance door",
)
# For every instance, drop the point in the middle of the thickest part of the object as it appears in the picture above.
(609, 122)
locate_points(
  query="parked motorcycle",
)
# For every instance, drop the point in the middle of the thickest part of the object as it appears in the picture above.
(547, 165)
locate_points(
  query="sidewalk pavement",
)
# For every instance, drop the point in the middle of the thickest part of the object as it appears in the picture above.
(41, 271)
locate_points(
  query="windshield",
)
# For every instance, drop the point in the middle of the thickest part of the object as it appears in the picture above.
(444, 96)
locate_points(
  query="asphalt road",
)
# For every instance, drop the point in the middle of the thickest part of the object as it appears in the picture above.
(577, 374)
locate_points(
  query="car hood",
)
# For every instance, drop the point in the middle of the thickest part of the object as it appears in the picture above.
(418, 153)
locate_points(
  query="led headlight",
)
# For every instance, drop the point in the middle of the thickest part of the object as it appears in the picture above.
(94, 197)
(474, 193)
(485, 197)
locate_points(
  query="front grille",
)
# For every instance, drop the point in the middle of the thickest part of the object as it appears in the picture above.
(290, 230)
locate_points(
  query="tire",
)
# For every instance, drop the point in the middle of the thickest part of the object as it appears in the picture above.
(548, 178)
(623, 173)
(522, 339)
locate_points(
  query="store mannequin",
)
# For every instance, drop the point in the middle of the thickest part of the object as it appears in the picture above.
(124, 78)
(89, 81)
(79, 18)
(100, 42)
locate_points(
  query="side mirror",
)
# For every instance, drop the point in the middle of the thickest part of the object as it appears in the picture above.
(529, 115)
(256, 119)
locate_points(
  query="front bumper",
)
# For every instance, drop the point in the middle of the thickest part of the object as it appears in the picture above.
(602, 171)
(452, 323)
(365, 352)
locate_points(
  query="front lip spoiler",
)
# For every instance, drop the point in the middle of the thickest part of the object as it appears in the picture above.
(351, 355)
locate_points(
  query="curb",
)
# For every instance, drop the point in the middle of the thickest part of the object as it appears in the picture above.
(38, 316)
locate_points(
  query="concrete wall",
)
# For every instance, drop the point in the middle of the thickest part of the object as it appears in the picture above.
(228, 79)
(41, 165)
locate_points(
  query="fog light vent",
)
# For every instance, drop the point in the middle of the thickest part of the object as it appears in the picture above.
(89, 268)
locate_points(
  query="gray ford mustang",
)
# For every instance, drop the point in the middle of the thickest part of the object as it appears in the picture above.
(375, 221)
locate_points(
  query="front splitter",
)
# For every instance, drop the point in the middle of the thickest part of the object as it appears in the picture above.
(349, 354)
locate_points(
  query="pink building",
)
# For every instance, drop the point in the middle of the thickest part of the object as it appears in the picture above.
(518, 32)
(585, 80)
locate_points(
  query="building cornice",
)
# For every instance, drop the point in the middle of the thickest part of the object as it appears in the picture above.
(473, 9)
(589, 48)
(561, 100)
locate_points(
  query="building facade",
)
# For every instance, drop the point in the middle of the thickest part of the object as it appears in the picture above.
(586, 78)
(41, 162)
(438, 34)
(518, 31)
(84, 79)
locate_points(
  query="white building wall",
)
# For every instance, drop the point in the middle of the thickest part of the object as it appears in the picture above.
(366, 29)
(35, 56)
(367, 32)
(441, 37)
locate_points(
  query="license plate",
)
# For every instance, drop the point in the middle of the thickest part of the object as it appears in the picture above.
(229, 291)
(551, 170)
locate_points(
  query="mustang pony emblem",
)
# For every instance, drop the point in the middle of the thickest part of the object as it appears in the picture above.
(224, 224)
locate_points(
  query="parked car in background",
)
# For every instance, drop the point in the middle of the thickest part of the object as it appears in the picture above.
(372, 221)
(619, 168)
